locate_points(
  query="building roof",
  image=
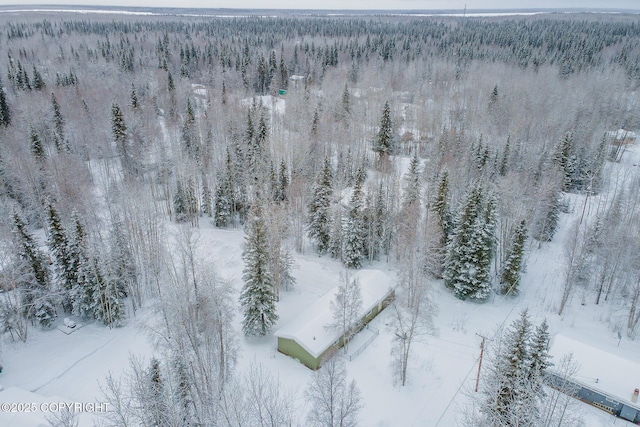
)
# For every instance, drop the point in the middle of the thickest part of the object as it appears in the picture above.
(310, 329)
(598, 368)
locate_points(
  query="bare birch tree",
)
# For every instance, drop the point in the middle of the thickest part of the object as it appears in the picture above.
(412, 315)
(334, 402)
(346, 308)
(268, 403)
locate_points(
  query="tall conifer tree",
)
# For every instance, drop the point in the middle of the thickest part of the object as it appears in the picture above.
(37, 148)
(82, 291)
(5, 112)
(353, 227)
(35, 294)
(510, 276)
(66, 274)
(384, 143)
(258, 294)
(470, 248)
(319, 226)
(58, 122)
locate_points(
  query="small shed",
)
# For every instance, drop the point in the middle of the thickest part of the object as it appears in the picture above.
(310, 339)
(297, 79)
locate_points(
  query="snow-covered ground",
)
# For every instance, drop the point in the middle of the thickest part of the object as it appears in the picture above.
(55, 367)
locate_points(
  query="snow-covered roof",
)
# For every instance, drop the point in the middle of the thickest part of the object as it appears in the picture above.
(271, 103)
(199, 90)
(598, 368)
(310, 327)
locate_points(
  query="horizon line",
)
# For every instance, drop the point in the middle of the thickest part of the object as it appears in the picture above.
(468, 10)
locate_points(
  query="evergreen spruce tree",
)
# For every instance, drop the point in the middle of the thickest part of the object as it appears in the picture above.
(315, 123)
(272, 66)
(539, 358)
(224, 200)
(262, 134)
(171, 87)
(180, 202)
(256, 147)
(493, 98)
(5, 112)
(441, 207)
(383, 230)
(38, 82)
(58, 122)
(118, 126)
(372, 244)
(65, 269)
(26, 82)
(459, 267)
(545, 220)
(598, 165)
(223, 95)
(273, 182)
(119, 132)
(37, 148)
(412, 188)
(384, 143)
(353, 228)
(505, 157)
(470, 248)
(82, 291)
(190, 143)
(513, 367)
(183, 392)
(512, 267)
(287, 281)
(565, 161)
(36, 297)
(262, 71)
(156, 409)
(284, 72)
(319, 225)
(283, 183)
(485, 230)
(133, 98)
(122, 267)
(258, 294)
(249, 132)
(346, 104)
(190, 114)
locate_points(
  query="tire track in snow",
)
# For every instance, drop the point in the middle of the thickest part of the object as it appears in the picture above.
(74, 364)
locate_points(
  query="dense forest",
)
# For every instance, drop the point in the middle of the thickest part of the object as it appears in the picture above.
(444, 147)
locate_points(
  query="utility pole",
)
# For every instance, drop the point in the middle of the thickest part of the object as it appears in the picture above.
(464, 13)
(480, 360)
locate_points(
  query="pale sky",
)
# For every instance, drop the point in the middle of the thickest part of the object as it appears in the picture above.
(346, 4)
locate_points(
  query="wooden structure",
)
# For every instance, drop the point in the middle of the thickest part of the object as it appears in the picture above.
(310, 338)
